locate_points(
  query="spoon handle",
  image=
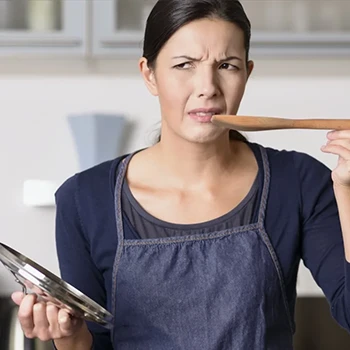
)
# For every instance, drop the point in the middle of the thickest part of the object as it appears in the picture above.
(252, 123)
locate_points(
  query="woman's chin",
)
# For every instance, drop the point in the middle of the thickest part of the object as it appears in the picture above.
(204, 136)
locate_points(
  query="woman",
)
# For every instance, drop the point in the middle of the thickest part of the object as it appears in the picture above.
(195, 242)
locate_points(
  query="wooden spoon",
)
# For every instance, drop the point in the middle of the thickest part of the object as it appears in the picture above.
(247, 123)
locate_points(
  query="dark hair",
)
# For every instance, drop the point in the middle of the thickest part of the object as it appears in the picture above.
(168, 16)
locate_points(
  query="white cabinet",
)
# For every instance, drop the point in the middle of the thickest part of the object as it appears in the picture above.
(115, 28)
(279, 27)
(118, 27)
(299, 27)
(42, 27)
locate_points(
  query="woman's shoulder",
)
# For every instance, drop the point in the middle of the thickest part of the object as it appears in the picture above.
(92, 181)
(296, 162)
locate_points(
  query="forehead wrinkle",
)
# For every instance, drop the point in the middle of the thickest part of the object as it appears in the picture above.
(213, 52)
(213, 58)
(194, 41)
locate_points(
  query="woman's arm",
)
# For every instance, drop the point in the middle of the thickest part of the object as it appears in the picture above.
(75, 261)
(322, 243)
(339, 144)
(342, 195)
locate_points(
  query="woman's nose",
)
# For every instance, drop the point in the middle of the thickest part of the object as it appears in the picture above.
(206, 84)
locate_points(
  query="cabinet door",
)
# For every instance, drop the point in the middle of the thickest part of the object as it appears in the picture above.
(42, 27)
(119, 26)
(279, 27)
(299, 27)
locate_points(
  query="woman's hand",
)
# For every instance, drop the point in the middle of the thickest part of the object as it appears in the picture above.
(339, 144)
(44, 320)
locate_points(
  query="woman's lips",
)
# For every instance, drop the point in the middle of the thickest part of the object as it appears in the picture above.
(201, 117)
(204, 115)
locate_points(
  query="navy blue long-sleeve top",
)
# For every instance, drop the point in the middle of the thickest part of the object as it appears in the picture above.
(301, 219)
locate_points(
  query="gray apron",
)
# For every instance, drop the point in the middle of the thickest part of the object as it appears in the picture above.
(215, 291)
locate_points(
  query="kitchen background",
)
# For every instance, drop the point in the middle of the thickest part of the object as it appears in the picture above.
(61, 58)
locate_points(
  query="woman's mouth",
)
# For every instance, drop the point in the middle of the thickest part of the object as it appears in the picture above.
(204, 115)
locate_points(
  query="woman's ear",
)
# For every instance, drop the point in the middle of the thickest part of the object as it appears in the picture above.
(148, 76)
(250, 67)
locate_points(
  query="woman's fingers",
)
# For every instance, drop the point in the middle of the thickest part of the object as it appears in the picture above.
(44, 320)
(65, 322)
(17, 297)
(52, 317)
(41, 324)
(25, 314)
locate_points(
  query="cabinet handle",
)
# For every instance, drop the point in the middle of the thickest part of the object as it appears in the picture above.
(119, 43)
(40, 42)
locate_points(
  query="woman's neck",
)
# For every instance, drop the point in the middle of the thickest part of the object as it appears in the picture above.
(189, 164)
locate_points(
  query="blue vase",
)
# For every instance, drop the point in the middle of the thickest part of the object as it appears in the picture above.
(97, 137)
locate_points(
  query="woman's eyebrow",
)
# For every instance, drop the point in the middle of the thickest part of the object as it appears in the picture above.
(229, 58)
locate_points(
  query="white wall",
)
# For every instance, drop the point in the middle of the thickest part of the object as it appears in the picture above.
(35, 141)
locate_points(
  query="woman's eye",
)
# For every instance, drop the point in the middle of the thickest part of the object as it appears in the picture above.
(228, 66)
(184, 65)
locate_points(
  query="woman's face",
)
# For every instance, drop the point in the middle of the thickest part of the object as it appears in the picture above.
(199, 72)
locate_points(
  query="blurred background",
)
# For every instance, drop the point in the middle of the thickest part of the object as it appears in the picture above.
(62, 59)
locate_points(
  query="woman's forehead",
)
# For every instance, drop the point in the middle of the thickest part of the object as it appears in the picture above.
(207, 37)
